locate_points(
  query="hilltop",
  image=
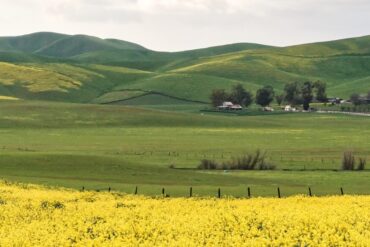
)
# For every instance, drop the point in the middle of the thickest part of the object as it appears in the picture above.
(81, 68)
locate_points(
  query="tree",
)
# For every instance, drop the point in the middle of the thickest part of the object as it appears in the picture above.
(307, 95)
(265, 96)
(280, 98)
(356, 99)
(320, 90)
(293, 93)
(240, 95)
(218, 96)
(248, 99)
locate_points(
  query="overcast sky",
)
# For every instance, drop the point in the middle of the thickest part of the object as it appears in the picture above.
(173, 25)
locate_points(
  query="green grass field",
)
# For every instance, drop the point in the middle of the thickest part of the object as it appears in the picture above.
(98, 146)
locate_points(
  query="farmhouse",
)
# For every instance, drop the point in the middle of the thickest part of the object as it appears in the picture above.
(227, 105)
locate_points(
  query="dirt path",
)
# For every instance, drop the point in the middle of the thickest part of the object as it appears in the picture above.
(347, 113)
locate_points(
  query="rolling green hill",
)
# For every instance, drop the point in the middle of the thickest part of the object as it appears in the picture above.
(80, 68)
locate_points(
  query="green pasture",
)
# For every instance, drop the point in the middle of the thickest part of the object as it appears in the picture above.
(101, 146)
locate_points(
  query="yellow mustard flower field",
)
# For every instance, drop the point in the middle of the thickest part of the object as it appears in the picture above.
(32, 215)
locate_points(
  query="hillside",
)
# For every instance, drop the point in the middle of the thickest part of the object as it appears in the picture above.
(80, 68)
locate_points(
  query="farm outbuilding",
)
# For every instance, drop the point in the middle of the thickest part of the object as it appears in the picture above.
(227, 105)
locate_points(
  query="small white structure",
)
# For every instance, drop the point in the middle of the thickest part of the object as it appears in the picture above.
(227, 105)
(268, 108)
(334, 100)
(236, 107)
(289, 108)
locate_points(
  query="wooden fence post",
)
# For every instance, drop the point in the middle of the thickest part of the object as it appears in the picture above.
(109, 189)
(309, 191)
(135, 190)
(249, 192)
(191, 192)
(341, 191)
(278, 191)
(162, 191)
(83, 188)
(219, 193)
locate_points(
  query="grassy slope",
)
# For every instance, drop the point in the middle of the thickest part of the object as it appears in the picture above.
(341, 73)
(97, 146)
(79, 44)
(63, 82)
(343, 64)
(29, 43)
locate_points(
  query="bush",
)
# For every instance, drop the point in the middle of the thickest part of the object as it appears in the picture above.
(172, 166)
(361, 164)
(208, 165)
(348, 162)
(266, 166)
(256, 161)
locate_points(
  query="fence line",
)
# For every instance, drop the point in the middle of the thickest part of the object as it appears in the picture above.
(218, 192)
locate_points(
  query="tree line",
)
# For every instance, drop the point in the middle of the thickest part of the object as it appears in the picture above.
(295, 93)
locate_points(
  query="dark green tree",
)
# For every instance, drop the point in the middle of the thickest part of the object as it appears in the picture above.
(239, 95)
(265, 96)
(307, 94)
(279, 98)
(293, 93)
(355, 99)
(218, 96)
(320, 91)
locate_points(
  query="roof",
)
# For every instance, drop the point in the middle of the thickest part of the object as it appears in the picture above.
(236, 106)
(227, 103)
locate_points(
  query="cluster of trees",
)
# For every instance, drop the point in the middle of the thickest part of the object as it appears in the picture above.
(239, 95)
(294, 93)
(358, 99)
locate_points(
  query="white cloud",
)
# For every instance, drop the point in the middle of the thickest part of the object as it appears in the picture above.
(94, 11)
(185, 24)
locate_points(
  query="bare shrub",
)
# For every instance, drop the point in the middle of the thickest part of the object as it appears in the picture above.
(348, 161)
(244, 162)
(206, 164)
(266, 166)
(361, 164)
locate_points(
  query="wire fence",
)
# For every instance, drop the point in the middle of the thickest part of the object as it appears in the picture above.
(219, 193)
